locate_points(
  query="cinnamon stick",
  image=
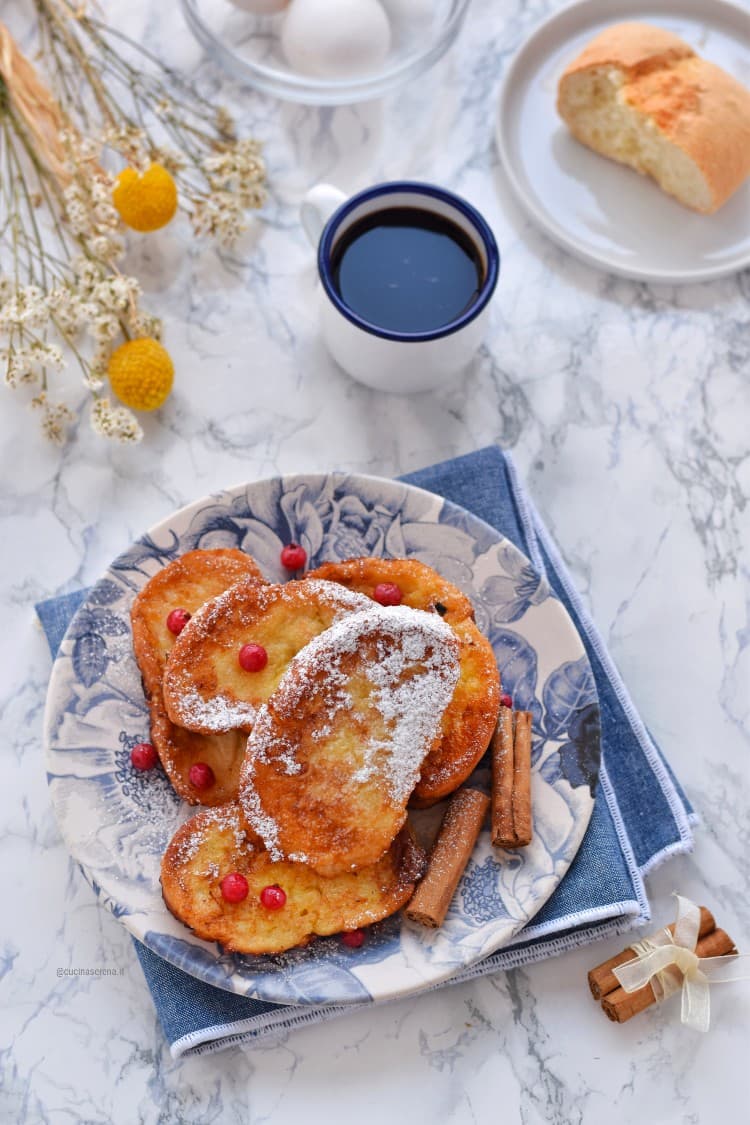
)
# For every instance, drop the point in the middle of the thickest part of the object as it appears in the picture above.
(511, 780)
(502, 779)
(602, 979)
(522, 778)
(450, 854)
(620, 1005)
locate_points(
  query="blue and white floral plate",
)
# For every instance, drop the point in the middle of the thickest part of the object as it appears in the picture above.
(117, 822)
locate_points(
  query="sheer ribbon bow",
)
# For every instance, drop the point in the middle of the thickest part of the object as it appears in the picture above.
(669, 963)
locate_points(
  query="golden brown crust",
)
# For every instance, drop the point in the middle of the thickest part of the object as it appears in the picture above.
(693, 103)
(422, 587)
(472, 713)
(706, 113)
(635, 48)
(335, 754)
(186, 583)
(219, 841)
(206, 689)
(468, 723)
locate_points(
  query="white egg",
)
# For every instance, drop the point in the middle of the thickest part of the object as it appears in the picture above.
(261, 7)
(335, 38)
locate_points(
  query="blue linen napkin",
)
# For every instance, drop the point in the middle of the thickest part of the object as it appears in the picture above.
(641, 815)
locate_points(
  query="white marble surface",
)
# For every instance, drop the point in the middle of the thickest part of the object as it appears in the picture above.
(626, 407)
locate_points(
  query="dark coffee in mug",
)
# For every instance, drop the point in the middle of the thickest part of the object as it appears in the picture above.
(407, 269)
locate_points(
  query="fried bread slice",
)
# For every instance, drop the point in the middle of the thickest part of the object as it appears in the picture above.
(334, 755)
(468, 723)
(206, 689)
(421, 586)
(471, 717)
(219, 841)
(179, 749)
(186, 583)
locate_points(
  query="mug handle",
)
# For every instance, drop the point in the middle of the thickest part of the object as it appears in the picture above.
(317, 208)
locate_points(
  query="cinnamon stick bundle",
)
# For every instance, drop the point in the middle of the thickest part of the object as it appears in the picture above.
(619, 1005)
(602, 979)
(511, 780)
(450, 854)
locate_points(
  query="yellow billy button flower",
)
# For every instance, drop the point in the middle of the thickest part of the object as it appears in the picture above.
(145, 201)
(141, 373)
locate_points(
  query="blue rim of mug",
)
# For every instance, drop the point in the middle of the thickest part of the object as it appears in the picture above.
(479, 224)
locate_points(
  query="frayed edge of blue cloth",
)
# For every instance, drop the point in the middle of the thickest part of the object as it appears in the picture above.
(274, 1027)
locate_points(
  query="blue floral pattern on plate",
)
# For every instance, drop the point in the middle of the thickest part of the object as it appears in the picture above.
(117, 823)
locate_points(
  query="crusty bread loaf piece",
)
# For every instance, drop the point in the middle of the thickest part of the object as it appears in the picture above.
(641, 96)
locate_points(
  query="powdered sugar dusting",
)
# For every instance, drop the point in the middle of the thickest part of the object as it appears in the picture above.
(412, 706)
(338, 597)
(221, 817)
(413, 674)
(263, 597)
(262, 823)
(217, 714)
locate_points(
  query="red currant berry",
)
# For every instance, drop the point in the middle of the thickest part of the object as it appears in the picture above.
(273, 897)
(293, 557)
(201, 775)
(234, 887)
(252, 658)
(388, 593)
(353, 938)
(506, 700)
(177, 620)
(143, 756)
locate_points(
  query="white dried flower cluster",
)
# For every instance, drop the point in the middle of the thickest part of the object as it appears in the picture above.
(115, 422)
(131, 143)
(23, 320)
(219, 215)
(56, 417)
(238, 167)
(22, 308)
(236, 178)
(88, 200)
(99, 303)
(87, 310)
(28, 363)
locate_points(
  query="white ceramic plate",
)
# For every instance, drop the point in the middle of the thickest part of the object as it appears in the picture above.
(601, 211)
(117, 822)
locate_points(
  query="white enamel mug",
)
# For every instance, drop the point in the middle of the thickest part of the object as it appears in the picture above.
(401, 362)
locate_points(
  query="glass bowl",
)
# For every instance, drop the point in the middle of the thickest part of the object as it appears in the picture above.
(248, 48)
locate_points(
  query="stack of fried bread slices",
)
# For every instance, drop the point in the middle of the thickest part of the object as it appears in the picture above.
(310, 717)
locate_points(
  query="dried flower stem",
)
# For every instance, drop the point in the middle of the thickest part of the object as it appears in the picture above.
(155, 116)
(62, 289)
(59, 291)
